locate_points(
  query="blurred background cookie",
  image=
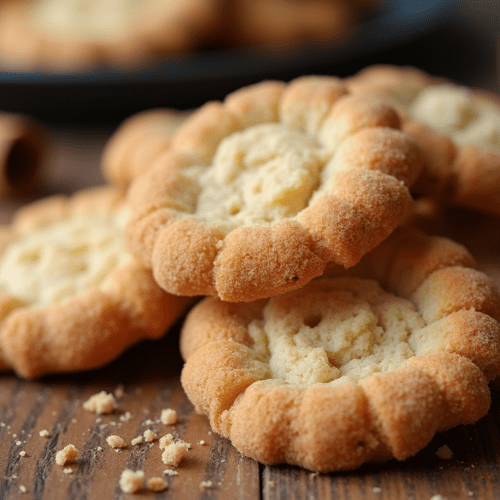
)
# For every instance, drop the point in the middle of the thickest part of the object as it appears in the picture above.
(79, 35)
(71, 297)
(136, 143)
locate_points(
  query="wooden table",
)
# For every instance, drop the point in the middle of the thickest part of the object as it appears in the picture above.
(146, 380)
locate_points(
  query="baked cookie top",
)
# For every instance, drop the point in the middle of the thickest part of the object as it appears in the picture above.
(354, 368)
(137, 141)
(71, 296)
(258, 193)
(457, 127)
(75, 35)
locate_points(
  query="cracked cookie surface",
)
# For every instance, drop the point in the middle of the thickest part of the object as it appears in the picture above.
(71, 296)
(257, 194)
(360, 365)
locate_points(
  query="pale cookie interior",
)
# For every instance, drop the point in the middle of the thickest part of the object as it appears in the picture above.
(66, 258)
(342, 330)
(258, 176)
(458, 113)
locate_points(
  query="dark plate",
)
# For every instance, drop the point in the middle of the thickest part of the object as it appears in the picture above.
(105, 94)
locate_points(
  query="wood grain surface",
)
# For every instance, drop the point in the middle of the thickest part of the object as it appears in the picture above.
(146, 380)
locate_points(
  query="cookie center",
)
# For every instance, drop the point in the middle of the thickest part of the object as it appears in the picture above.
(69, 257)
(458, 114)
(260, 175)
(335, 330)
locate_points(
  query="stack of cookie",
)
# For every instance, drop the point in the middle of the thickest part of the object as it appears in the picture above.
(332, 331)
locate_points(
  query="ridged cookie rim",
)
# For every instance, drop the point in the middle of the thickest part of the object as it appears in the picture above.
(159, 200)
(226, 380)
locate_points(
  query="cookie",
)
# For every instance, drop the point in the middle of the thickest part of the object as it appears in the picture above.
(71, 297)
(349, 369)
(23, 144)
(258, 193)
(284, 24)
(70, 35)
(457, 127)
(132, 148)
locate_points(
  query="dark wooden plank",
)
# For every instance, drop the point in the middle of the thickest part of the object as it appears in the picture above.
(149, 376)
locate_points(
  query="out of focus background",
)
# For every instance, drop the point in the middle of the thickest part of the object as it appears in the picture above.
(73, 71)
(76, 60)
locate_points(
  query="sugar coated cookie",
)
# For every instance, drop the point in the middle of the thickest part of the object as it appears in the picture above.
(457, 127)
(257, 194)
(71, 296)
(133, 147)
(350, 369)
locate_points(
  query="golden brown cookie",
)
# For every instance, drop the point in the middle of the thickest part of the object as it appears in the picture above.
(458, 129)
(279, 24)
(73, 35)
(133, 147)
(71, 297)
(257, 194)
(346, 370)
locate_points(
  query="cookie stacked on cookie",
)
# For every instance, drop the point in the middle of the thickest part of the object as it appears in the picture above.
(333, 332)
(331, 337)
(456, 127)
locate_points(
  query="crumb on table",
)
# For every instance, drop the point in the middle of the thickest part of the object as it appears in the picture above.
(174, 452)
(67, 454)
(100, 403)
(116, 441)
(157, 484)
(131, 481)
(168, 416)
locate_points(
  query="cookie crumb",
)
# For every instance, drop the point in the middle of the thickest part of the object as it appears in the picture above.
(438, 497)
(168, 416)
(125, 417)
(444, 452)
(67, 454)
(116, 441)
(205, 485)
(44, 433)
(131, 481)
(170, 472)
(149, 436)
(68, 470)
(137, 440)
(165, 441)
(202, 442)
(100, 403)
(18, 443)
(23, 488)
(157, 484)
(174, 453)
(22, 453)
(377, 489)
